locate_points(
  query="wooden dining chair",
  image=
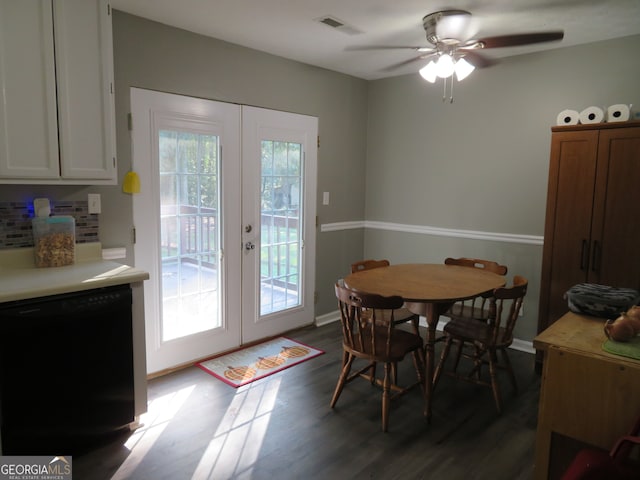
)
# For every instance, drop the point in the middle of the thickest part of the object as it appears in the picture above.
(401, 315)
(480, 342)
(476, 308)
(375, 342)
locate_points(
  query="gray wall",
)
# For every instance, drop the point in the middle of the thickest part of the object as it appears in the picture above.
(482, 162)
(153, 56)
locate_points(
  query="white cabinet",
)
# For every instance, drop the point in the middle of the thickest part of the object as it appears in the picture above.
(57, 111)
(28, 111)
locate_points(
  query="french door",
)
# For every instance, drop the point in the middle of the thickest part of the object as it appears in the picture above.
(278, 216)
(221, 223)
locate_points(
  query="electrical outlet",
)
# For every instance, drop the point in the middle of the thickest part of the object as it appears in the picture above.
(93, 199)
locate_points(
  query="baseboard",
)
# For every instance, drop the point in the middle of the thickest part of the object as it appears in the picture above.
(525, 346)
(327, 318)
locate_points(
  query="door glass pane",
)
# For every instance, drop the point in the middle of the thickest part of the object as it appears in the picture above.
(190, 233)
(281, 233)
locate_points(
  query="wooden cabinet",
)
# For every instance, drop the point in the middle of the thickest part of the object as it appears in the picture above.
(56, 69)
(588, 397)
(593, 205)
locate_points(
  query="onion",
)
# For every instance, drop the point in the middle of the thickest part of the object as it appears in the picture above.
(634, 313)
(625, 327)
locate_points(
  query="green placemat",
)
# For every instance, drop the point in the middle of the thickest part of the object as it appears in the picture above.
(629, 349)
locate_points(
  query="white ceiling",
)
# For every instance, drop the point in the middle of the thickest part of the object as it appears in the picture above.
(290, 28)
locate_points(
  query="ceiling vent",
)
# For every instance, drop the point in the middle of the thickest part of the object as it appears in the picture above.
(339, 25)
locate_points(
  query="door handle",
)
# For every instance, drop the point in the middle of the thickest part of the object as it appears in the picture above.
(584, 255)
(249, 246)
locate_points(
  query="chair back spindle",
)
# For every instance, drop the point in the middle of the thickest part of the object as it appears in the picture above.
(477, 307)
(358, 328)
(511, 298)
(401, 315)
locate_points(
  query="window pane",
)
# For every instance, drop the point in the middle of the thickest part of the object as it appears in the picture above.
(281, 234)
(189, 191)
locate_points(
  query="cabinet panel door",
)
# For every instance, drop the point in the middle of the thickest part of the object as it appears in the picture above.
(616, 228)
(568, 219)
(84, 62)
(28, 124)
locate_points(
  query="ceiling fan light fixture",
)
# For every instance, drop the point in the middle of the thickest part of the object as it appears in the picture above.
(428, 72)
(445, 66)
(463, 69)
(451, 35)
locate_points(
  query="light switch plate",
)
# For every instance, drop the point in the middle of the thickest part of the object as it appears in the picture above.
(94, 203)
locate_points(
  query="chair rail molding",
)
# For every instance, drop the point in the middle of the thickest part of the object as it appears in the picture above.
(428, 230)
(338, 226)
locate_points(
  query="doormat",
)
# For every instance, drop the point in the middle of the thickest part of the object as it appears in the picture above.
(258, 361)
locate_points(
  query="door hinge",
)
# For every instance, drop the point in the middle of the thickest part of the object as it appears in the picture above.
(318, 141)
(317, 221)
(315, 298)
(108, 9)
(129, 122)
(111, 88)
(114, 162)
(133, 232)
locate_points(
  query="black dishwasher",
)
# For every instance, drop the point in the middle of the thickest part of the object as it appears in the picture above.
(66, 371)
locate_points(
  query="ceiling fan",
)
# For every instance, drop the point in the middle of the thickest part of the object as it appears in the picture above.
(454, 51)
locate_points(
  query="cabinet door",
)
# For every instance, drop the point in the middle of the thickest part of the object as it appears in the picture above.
(616, 229)
(84, 62)
(567, 234)
(28, 124)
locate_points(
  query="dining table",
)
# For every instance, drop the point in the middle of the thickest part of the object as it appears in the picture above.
(428, 290)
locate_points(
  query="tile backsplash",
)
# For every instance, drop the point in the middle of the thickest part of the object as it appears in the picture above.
(15, 222)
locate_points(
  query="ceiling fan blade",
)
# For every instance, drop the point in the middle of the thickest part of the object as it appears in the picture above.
(359, 48)
(407, 62)
(476, 59)
(521, 39)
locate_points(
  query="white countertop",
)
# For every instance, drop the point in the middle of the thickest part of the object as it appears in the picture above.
(20, 279)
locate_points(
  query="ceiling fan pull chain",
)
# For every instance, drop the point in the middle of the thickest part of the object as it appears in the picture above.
(451, 90)
(444, 91)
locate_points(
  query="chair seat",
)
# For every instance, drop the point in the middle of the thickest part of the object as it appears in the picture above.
(403, 343)
(478, 332)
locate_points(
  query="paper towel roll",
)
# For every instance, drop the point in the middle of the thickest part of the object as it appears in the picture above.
(568, 117)
(618, 113)
(592, 115)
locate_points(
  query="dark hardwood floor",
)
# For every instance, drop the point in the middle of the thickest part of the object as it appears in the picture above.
(282, 427)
